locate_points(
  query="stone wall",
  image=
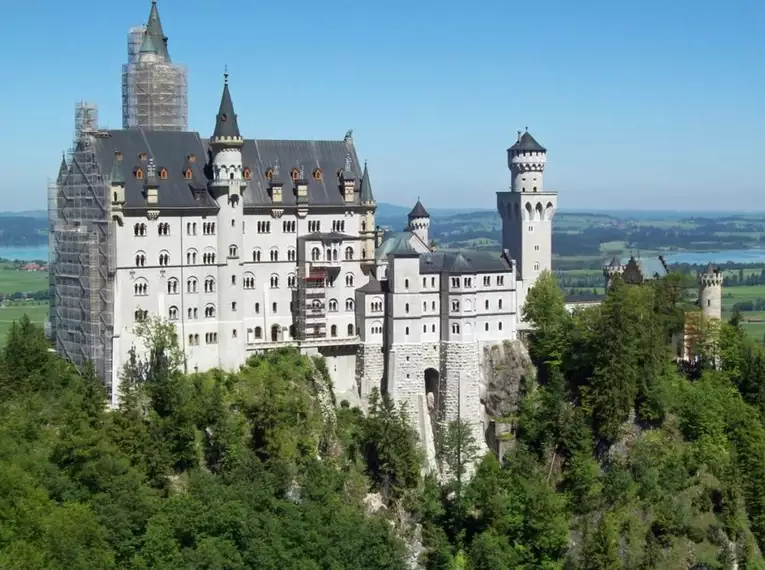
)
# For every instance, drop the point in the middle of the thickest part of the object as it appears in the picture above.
(370, 368)
(460, 382)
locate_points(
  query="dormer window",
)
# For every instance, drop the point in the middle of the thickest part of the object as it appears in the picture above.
(139, 174)
(270, 174)
(163, 174)
(246, 173)
(187, 174)
(142, 156)
(295, 175)
(317, 175)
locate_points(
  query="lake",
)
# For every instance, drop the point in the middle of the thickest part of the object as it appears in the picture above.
(726, 256)
(25, 253)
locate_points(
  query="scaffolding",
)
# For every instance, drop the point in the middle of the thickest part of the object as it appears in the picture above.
(311, 303)
(154, 95)
(135, 38)
(85, 118)
(81, 260)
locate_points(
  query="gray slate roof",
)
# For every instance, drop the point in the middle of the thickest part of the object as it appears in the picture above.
(418, 211)
(528, 143)
(391, 242)
(651, 268)
(711, 269)
(226, 124)
(171, 150)
(463, 262)
(366, 187)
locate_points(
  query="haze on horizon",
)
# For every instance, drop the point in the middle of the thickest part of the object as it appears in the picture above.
(650, 106)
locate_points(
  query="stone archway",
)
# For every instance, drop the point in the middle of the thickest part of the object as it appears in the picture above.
(432, 396)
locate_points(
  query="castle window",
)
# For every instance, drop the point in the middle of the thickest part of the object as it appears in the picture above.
(291, 254)
(536, 266)
(406, 308)
(499, 325)
(315, 254)
(256, 255)
(209, 285)
(455, 306)
(270, 174)
(210, 311)
(140, 259)
(338, 225)
(487, 304)
(233, 306)
(432, 328)
(709, 302)
(406, 283)
(274, 281)
(333, 305)
(348, 253)
(172, 313)
(349, 304)
(349, 280)
(233, 251)
(350, 330)
(187, 174)
(139, 230)
(274, 255)
(233, 333)
(163, 174)
(191, 285)
(424, 306)
(172, 286)
(249, 281)
(164, 258)
(191, 257)
(295, 175)
(193, 313)
(333, 331)
(291, 281)
(257, 308)
(208, 228)
(208, 258)
(433, 305)
(499, 304)
(500, 279)
(432, 281)
(317, 175)
(163, 229)
(406, 331)
(247, 174)
(531, 228)
(455, 281)
(456, 328)
(258, 333)
(486, 327)
(141, 288)
(140, 315)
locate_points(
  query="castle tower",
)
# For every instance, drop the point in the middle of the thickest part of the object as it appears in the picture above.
(710, 292)
(419, 222)
(527, 212)
(368, 225)
(611, 270)
(227, 186)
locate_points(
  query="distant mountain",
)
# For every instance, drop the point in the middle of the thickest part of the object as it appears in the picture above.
(25, 214)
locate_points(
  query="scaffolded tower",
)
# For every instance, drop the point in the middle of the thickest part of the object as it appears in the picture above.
(154, 90)
(81, 255)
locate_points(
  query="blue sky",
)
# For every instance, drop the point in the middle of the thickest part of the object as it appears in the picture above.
(650, 104)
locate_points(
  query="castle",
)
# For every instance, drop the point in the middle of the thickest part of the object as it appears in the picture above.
(247, 245)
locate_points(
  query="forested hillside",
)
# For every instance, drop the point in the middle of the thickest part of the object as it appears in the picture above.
(617, 459)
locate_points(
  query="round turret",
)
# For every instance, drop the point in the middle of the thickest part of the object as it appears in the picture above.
(612, 269)
(226, 142)
(419, 222)
(710, 292)
(526, 160)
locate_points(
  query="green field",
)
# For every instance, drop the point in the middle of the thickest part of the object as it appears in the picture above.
(733, 295)
(14, 280)
(37, 313)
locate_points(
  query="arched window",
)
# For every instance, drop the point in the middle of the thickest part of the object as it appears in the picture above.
(499, 304)
(315, 254)
(164, 258)
(406, 283)
(140, 315)
(333, 331)
(256, 255)
(291, 281)
(406, 331)
(276, 333)
(349, 304)
(406, 308)
(333, 305)
(350, 330)
(141, 287)
(455, 306)
(486, 304)
(140, 259)
(291, 254)
(274, 281)
(210, 311)
(258, 333)
(191, 257)
(191, 285)
(348, 253)
(172, 286)
(172, 313)
(274, 254)
(233, 251)
(209, 285)
(248, 281)
(208, 258)
(349, 280)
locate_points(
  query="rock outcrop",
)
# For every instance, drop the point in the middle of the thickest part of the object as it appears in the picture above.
(507, 373)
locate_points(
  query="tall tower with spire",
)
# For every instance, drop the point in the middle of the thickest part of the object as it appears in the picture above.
(419, 222)
(154, 89)
(527, 212)
(227, 187)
